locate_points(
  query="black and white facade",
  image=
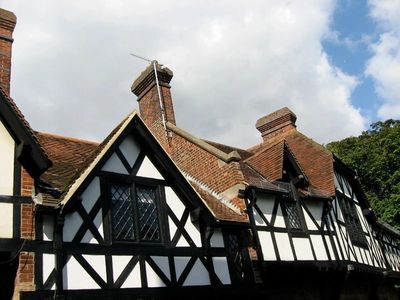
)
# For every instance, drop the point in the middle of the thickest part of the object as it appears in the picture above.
(131, 223)
(334, 237)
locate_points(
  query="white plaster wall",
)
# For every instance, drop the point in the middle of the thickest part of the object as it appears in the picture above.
(48, 266)
(6, 220)
(147, 169)
(91, 194)
(130, 149)
(266, 205)
(71, 225)
(7, 146)
(153, 280)
(198, 275)
(221, 269)
(315, 208)
(76, 277)
(303, 249)
(279, 221)
(319, 247)
(48, 228)
(114, 164)
(285, 251)
(119, 264)
(174, 202)
(267, 245)
(217, 239)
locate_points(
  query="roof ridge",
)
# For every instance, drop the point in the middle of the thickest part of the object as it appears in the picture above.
(72, 139)
(232, 156)
(212, 192)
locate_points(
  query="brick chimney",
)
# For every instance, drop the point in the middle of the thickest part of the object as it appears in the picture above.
(7, 25)
(276, 123)
(145, 88)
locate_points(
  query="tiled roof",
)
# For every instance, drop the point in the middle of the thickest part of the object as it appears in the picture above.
(220, 210)
(269, 161)
(68, 156)
(315, 160)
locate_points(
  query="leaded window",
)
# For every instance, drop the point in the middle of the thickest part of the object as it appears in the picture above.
(135, 212)
(352, 222)
(293, 215)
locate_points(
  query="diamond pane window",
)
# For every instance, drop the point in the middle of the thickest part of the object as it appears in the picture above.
(293, 215)
(122, 213)
(134, 213)
(148, 216)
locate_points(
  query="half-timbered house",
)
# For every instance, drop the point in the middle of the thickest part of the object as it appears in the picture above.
(153, 212)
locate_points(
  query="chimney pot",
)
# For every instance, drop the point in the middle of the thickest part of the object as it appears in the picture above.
(277, 122)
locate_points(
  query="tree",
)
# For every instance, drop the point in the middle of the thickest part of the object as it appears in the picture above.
(375, 155)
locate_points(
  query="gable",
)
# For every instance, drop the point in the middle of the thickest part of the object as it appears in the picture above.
(6, 161)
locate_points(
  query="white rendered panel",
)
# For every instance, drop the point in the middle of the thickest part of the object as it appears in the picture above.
(91, 194)
(130, 149)
(48, 228)
(217, 239)
(319, 247)
(267, 246)
(279, 221)
(48, 265)
(285, 251)
(339, 211)
(75, 276)
(303, 249)
(71, 225)
(266, 205)
(221, 269)
(174, 202)
(182, 242)
(7, 145)
(180, 264)
(6, 220)
(315, 208)
(119, 263)
(172, 228)
(193, 232)
(114, 164)
(88, 238)
(198, 275)
(98, 222)
(163, 263)
(153, 280)
(330, 249)
(147, 169)
(310, 224)
(98, 263)
(258, 219)
(134, 279)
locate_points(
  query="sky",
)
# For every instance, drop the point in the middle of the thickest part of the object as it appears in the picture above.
(335, 64)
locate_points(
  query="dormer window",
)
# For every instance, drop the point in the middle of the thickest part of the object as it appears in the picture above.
(135, 212)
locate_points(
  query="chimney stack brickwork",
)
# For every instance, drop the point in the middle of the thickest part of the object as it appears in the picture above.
(145, 88)
(7, 25)
(276, 123)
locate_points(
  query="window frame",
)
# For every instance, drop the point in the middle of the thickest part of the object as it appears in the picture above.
(106, 182)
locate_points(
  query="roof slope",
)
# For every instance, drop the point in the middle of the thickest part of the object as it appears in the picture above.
(315, 160)
(68, 156)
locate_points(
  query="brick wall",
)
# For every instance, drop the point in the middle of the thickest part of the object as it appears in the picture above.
(25, 280)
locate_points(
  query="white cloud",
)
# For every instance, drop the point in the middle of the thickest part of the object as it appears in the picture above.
(384, 65)
(233, 63)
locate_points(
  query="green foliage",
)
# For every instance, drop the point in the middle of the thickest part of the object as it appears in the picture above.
(375, 155)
